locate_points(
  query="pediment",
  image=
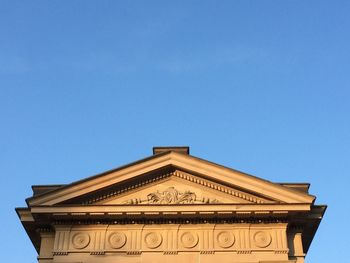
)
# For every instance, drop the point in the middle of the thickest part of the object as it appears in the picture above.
(171, 176)
(177, 187)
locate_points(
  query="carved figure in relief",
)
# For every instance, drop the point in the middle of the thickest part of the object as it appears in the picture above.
(171, 196)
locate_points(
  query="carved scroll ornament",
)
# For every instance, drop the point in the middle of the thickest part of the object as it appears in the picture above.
(171, 196)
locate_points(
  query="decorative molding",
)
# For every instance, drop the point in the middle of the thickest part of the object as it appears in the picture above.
(203, 219)
(44, 230)
(171, 239)
(59, 253)
(182, 175)
(244, 251)
(134, 252)
(262, 239)
(170, 252)
(283, 251)
(98, 253)
(80, 240)
(218, 187)
(189, 239)
(171, 196)
(120, 191)
(153, 239)
(207, 252)
(117, 240)
(225, 239)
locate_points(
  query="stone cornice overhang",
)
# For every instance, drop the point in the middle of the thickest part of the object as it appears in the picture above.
(205, 169)
(32, 199)
(308, 224)
(30, 225)
(300, 217)
(180, 209)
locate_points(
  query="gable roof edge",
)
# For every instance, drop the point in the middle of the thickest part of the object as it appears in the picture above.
(191, 163)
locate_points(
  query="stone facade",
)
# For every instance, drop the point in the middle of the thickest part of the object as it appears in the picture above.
(171, 207)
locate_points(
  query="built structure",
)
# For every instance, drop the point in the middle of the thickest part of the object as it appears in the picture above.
(171, 207)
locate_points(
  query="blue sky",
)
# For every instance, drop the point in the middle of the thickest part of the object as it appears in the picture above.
(260, 86)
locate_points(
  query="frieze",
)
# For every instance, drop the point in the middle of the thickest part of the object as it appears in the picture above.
(168, 239)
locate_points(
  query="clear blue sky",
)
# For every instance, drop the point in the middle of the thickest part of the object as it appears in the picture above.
(260, 86)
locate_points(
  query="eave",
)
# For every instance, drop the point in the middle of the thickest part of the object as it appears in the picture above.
(188, 163)
(179, 209)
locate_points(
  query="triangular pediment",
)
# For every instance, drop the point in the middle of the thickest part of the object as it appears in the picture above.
(173, 188)
(181, 178)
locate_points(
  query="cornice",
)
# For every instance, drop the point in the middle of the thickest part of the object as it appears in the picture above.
(208, 170)
(192, 209)
(182, 175)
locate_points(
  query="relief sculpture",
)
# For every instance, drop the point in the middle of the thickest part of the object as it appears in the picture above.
(171, 196)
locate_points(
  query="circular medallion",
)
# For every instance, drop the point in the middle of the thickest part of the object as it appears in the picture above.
(189, 239)
(117, 239)
(225, 239)
(153, 240)
(80, 240)
(262, 239)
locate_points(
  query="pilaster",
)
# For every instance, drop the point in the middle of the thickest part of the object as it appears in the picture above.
(47, 236)
(295, 244)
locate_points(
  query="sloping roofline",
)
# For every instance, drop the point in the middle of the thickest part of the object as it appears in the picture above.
(180, 159)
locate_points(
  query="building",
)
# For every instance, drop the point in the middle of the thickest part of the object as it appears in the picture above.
(171, 207)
